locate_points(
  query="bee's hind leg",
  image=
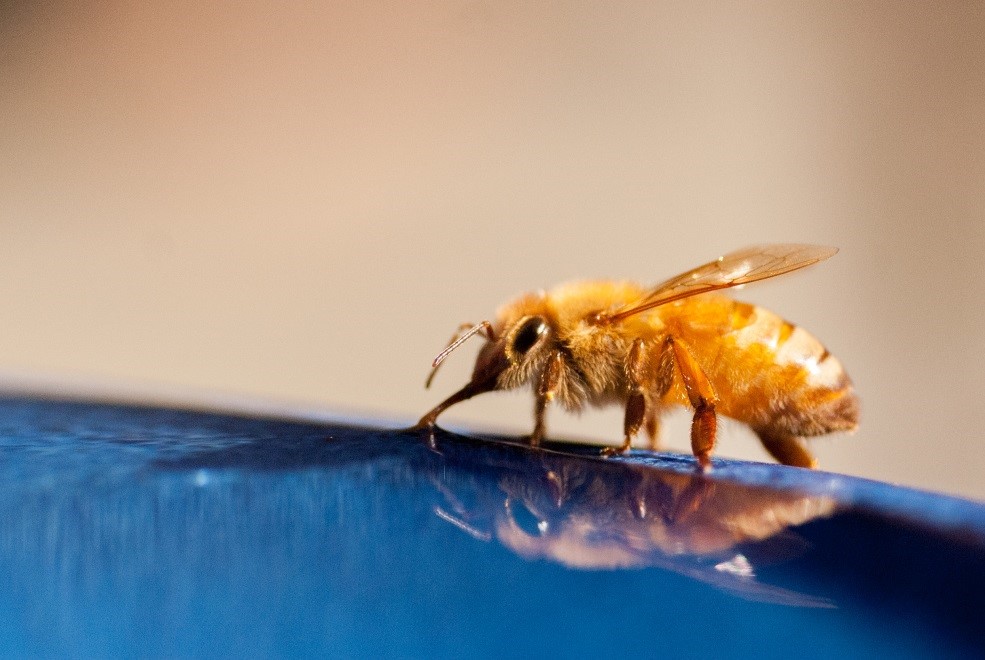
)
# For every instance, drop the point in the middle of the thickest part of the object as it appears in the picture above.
(786, 449)
(702, 397)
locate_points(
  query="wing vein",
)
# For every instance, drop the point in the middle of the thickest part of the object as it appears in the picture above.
(750, 264)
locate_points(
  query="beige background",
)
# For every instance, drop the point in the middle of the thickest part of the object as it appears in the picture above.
(297, 202)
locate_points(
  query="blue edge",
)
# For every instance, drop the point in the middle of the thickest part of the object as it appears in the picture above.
(143, 531)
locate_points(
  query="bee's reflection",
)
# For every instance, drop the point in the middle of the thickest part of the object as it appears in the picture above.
(589, 514)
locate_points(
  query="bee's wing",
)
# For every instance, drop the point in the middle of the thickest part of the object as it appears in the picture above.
(757, 262)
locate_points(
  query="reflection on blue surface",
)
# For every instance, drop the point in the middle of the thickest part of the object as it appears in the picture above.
(144, 531)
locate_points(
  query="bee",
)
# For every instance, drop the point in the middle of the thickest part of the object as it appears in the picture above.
(676, 344)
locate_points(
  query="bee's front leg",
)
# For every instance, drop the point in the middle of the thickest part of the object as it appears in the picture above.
(546, 388)
(703, 399)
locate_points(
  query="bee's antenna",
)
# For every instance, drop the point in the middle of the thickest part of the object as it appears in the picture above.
(457, 340)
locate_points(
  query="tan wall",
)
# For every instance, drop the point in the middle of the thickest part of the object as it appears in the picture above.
(301, 203)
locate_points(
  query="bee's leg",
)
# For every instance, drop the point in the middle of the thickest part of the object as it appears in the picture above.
(540, 426)
(635, 412)
(636, 404)
(663, 378)
(546, 388)
(703, 399)
(786, 449)
(651, 424)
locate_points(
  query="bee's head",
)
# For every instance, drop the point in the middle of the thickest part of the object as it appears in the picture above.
(515, 350)
(512, 357)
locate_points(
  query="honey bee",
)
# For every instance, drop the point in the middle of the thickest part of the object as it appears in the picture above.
(677, 343)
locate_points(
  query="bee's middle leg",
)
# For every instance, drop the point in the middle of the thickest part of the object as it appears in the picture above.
(659, 378)
(649, 380)
(636, 403)
(651, 424)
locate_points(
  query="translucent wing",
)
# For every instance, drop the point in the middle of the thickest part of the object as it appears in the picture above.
(757, 262)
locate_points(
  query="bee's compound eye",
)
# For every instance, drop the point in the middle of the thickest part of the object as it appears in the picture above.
(528, 334)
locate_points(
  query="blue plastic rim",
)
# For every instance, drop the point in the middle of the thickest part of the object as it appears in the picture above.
(145, 531)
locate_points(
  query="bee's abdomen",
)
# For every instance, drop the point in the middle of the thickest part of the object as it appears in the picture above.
(792, 381)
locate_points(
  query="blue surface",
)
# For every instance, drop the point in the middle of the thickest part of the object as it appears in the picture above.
(142, 531)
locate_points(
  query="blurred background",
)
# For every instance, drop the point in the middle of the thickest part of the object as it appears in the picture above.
(295, 204)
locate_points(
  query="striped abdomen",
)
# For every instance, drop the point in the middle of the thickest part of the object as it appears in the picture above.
(769, 373)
